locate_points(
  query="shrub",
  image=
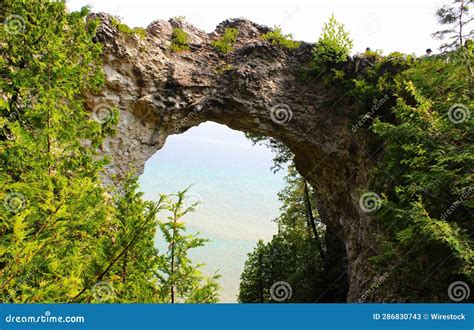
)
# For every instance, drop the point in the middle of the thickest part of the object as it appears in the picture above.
(224, 44)
(125, 29)
(141, 32)
(179, 40)
(276, 37)
(334, 45)
(224, 68)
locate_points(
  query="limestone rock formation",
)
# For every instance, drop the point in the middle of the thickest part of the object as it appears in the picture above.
(256, 88)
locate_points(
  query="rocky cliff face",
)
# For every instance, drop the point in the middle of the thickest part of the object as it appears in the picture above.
(256, 88)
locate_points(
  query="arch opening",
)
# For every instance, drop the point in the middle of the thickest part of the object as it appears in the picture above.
(239, 207)
(236, 191)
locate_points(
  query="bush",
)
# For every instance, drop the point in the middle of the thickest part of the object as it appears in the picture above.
(179, 40)
(334, 45)
(276, 37)
(224, 44)
(125, 29)
(224, 68)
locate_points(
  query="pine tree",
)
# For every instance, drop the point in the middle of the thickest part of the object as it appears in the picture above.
(333, 46)
(295, 255)
(457, 16)
(179, 280)
(53, 202)
(429, 161)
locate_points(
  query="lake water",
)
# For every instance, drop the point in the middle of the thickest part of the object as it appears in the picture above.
(236, 189)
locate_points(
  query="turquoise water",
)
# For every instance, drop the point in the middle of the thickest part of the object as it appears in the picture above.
(236, 189)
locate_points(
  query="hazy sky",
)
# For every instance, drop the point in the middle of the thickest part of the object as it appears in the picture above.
(403, 25)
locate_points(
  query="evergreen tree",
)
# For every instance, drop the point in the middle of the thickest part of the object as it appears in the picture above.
(64, 237)
(135, 236)
(179, 280)
(123, 271)
(294, 255)
(53, 203)
(334, 44)
(427, 178)
(458, 18)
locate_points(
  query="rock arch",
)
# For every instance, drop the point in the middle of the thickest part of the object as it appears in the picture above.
(257, 88)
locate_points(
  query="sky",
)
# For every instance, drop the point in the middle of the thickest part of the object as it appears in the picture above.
(230, 178)
(403, 25)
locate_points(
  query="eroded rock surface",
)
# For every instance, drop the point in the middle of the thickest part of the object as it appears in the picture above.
(257, 88)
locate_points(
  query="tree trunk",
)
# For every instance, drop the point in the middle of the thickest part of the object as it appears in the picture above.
(311, 221)
(124, 267)
(172, 258)
(260, 279)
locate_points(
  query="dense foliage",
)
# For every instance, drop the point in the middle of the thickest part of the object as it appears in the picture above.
(53, 204)
(427, 174)
(295, 255)
(64, 236)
